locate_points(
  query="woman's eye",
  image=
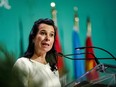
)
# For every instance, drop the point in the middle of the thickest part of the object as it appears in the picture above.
(42, 33)
(51, 35)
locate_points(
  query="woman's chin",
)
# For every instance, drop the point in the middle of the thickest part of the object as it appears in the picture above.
(46, 49)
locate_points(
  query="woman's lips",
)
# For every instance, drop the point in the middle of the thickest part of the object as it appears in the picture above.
(45, 44)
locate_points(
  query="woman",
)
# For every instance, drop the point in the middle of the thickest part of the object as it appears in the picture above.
(38, 66)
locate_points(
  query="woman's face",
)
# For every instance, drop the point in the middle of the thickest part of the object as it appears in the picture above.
(45, 38)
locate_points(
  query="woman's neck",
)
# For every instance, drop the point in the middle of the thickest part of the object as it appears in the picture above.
(39, 58)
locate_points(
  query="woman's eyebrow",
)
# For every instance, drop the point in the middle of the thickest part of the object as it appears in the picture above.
(42, 30)
(45, 30)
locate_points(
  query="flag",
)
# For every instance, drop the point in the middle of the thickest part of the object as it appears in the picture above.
(90, 63)
(58, 49)
(79, 67)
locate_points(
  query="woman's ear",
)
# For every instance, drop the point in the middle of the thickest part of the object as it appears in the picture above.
(33, 40)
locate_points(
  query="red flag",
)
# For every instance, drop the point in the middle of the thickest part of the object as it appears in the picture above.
(90, 63)
(58, 49)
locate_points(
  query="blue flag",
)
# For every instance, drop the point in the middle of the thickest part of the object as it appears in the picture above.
(79, 67)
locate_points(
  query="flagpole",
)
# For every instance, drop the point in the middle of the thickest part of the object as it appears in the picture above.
(60, 63)
(54, 13)
(79, 68)
(57, 41)
(88, 27)
(76, 19)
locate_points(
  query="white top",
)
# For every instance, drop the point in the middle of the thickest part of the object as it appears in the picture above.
(36, 74)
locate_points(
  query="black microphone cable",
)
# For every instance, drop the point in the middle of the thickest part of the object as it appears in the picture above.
(79, 48)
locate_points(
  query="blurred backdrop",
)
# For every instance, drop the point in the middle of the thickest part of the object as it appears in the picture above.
(17, 18)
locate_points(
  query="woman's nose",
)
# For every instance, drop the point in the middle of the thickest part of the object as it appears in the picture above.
(47, 38)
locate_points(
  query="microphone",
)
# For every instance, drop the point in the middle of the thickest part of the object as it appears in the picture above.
(78, 48)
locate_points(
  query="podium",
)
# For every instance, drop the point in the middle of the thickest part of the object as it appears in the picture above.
(102, 75)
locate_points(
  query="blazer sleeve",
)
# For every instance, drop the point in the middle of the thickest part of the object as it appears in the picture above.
(20, 72)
